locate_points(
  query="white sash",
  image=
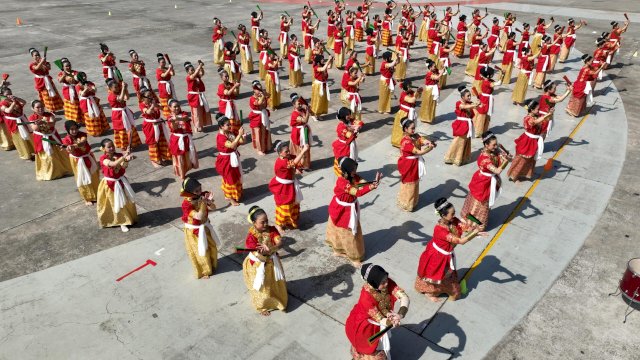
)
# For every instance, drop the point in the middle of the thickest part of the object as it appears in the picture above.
(411, 111)
(588, 90)
(297, 65)
(354, 214)
(47, 84)
(323, 84)
(356, 102)
(247, 53)
(157, 123)
(120, 194)
(127, 117)
(203, 244)
(549, 126)
(203, 100)
(110, 71)
(435, 91)
(192, 148)
(84, 173)
(545, 64)
(390, 82)
(143, 81)
(469, 123)
(452, 261)
(263, 57)
(384, 343)
(264, 118)
(296, 186)
(303, 139)
(404, 54)
(540, 143)
(275, 78)
(72, 91)
(168, 86)
(260, 272)
(353, 149)
(46, 146)
(92, 106)
(490, 96)
(22, 129)
(529, 73)
(229, 110)
(232, 64)
(493, 195)
(422, 169)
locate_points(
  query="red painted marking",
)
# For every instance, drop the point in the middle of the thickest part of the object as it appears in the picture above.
(149, 262)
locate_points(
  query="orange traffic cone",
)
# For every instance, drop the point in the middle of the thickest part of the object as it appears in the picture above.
(18, 21)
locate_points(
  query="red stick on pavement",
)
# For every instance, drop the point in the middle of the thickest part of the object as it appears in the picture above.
(149, 262)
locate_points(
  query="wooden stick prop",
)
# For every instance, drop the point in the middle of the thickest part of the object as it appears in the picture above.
(124, 61)
(379, 334)
(118, 74)
(166, 57)
(474, 219)
(45, 52)
(258, 6)
(286, 13)
(566, 79)
(51, 141)
(625, 16)
(313, 11)
(503, 149)
(240, 249)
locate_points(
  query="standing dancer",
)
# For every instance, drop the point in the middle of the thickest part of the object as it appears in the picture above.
(616, 34)
(227, 91)
(51, 162)
(411, 165)
(582, 93)
(13, 113)
(300, 130)
(309, 43)
(401, 54)
(437, 273)
(539, 30)
(530, 145)
(506, 30)
(83, 163)
(494, 38)
(139, 73)
(349, 28)
(156, 131)
(283, 38)
(345, 144)
(569, 39)
(508, 58)
(67, 77)
(476, 41)
(407, 110)
(124, 128)
(264, 46)
(548, 101)
(272, 81)
(525, 76)
(199, 241)
(184, 156)
(262, 268)
(231, 66)
(386, 84)
(93, 115)
(218, 44)
(431, 93)
(374, 312)
(387, 27)
(320, 89)
(200, 115)
(344, 233)
(486, 184)
(166, 90)
(109, 68)
(116, 205)
(255, 29)
(295, 63)
(524, 41)
(443, 62)
(246, 57)
(370, 52)
(483, 114)
(361, 17)
(285, 187)
(228, 163)
(351, 85)
(543, 62)
(43, 84)
(338, 46)
(424, 26)
(259, 121)
(554, 50)
(331, 27)
(459, 152)
(461, 35)
(476, 20)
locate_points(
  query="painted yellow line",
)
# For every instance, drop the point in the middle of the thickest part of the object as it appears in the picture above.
(523, 201)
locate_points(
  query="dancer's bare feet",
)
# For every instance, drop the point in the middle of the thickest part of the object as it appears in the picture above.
(280, 229)
(265, 313)
(234, 203)
(88, 203)
(204, 277)
(435, 299)
(156, 165)
(336, 254)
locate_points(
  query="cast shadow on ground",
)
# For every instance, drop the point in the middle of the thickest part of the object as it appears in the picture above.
(338, 284)
(382, 240)
(441, 325)
(404, 345)
(487, 270)
(553, 146)
(158, 217)
(500, 214)
(154, 188)
(450, 188)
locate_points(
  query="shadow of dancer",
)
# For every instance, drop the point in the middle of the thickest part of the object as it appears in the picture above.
(337, 284)
(441, 325)
(382, 240)
(487, 270)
